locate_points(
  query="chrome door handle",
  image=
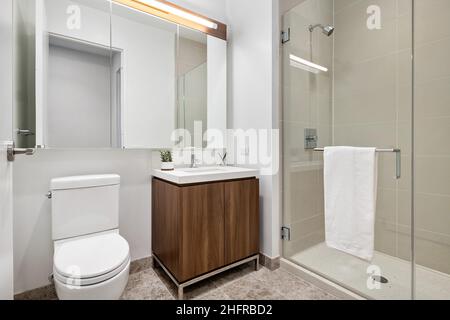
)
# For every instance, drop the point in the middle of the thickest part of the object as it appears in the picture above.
(12, 151)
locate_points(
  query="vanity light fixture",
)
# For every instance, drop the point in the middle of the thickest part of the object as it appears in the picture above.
(306, 65)
(180, 13)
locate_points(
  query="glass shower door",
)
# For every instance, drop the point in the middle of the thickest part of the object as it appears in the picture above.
(432, 148)
(350, 87)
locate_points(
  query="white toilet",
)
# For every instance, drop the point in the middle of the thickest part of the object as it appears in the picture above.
(91, 260)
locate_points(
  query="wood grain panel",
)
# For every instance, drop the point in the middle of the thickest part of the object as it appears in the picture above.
(202, 229)
(241, 219)
(166, 224)
(199, 228)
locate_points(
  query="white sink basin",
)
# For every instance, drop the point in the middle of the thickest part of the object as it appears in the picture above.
(182, 176)
(202, 170)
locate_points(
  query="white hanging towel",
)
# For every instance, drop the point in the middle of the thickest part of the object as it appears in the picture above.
(350, 178)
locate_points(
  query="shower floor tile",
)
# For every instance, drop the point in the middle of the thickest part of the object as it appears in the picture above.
(353, 274)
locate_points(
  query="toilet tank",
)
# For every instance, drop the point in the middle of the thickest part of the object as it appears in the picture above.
(84, 205)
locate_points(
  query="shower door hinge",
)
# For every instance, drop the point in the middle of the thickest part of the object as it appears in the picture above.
(286, 36)
(286, 233)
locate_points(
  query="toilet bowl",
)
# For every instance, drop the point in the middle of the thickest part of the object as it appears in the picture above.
(91, 268)
(91, 260)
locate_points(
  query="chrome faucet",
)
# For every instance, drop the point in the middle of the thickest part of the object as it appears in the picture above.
(193, 161)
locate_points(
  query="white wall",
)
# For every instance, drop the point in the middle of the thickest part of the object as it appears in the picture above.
(149, 82)
(79, 108)
(6, 221)
(42, 53)
(6, 212)
(253, 92)
(217, 88)
(94, 20)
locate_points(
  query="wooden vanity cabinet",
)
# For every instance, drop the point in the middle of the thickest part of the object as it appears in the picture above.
(200, 228)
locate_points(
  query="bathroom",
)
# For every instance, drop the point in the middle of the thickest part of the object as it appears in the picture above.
(142, 113)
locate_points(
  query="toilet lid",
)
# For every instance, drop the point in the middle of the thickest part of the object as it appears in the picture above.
(91, 257)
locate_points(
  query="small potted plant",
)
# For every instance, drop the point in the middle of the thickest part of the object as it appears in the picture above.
(166, 161)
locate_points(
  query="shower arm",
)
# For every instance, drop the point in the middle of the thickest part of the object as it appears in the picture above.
(312, 27)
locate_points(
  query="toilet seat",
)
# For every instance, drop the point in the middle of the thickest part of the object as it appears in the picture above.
(90, 260)
(90, 281)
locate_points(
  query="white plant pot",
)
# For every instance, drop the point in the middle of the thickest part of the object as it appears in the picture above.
(167, 166)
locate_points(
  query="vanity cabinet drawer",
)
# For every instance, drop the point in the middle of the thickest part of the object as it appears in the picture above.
(203, 227)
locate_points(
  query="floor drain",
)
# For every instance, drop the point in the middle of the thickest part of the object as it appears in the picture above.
(380, 279)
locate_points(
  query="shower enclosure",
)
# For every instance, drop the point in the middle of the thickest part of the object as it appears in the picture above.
(371, 74)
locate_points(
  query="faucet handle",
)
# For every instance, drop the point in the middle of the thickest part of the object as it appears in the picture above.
(223, 157)
(194, 161)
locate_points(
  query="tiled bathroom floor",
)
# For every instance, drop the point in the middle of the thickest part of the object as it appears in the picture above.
(242, 283)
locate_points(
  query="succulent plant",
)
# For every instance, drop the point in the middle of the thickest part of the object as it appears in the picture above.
(166, 156)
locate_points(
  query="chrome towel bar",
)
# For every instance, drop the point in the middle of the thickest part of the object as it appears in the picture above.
(398, 161)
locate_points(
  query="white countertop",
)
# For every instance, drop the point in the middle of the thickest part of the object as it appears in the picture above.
(182, 176)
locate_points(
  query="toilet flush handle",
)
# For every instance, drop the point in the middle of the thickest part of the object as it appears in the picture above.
(49, 195)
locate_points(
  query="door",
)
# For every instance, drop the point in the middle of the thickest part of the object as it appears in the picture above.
(165, 224)
(353, 87)
(241, 220)
(431, 168)
(202, 229)
(6, 226)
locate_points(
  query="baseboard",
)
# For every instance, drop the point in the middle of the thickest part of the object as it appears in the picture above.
(319, 281)
(270, 263)
(49, 293)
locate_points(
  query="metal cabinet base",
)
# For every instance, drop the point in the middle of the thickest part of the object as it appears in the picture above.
(186, 284)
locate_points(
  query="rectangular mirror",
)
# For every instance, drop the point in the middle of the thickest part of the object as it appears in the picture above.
(201, 75)
(192, 75)
(101, 74)
(145, 76)
(62, 74)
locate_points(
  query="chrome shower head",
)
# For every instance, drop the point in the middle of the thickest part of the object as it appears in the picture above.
(326, 30)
